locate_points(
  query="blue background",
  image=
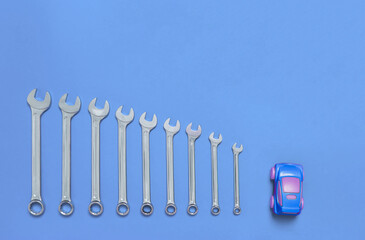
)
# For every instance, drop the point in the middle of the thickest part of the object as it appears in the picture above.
(283, 78)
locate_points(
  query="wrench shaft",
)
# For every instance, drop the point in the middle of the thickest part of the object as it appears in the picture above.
(95, 164)
(170, 168)
(236, 182)
(214, 175)
(191, 150)
(122, 162)
(66, 157)
(36, 157)
(146, 165)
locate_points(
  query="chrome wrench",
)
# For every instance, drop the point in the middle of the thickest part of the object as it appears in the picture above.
(147, 126)
(215, 210)
(170, 132)
(67, 113)
(236, 152)
(192, 136)
(37, 108)
(96, 116)
(123, 121)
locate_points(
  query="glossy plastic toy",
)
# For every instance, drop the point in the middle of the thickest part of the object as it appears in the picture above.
(288, 189)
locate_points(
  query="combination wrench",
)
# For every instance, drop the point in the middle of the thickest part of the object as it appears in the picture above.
(123, 121)
(147, 126)
(215, 210)
(37, 108)
(68, 112)
(96, 116)
(236, 152)
(170, 132)
(192, 136)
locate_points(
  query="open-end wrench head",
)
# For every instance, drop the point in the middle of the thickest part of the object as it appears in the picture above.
(69, 108)
(215, 140)
(40, 105)
(98, 112)
(148, 124)
(237, 150)
(193, 133)
(124, 118)
(171, 129)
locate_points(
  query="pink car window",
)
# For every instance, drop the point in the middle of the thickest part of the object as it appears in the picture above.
(280, 199)
(291, 184)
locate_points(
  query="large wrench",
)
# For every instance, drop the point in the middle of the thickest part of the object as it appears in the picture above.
(123, 121)
(96, 116)
(170, 132)
(236, 152)
(147, 126)
(192, 136)
(37, 108)
(215, 210)
(67, 113)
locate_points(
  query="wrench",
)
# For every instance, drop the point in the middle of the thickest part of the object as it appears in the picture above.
(123, 121)
(192, 136)
(67, 113)
(170, 132)
(236, 152)
(37, 108)
(215, 210)
(147, 126)
(96, 116)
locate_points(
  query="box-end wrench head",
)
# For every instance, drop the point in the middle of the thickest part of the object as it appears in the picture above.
(123, 121)
(147, 126)
(170, 208)
(37, 108)
(236, 151)
(96, 116)
(68, 111)
(192, 136)
(215, 210)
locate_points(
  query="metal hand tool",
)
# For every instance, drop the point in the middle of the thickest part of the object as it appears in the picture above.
(67, 113)
(147, 126)
(236, 152)
(192, 136)
(215, 210)
(170, 132)
(37, 108)
(96, 116)
(123, 121)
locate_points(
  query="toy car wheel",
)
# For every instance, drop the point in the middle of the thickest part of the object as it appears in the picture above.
(272, 202)
(302, 203)
(272, 173)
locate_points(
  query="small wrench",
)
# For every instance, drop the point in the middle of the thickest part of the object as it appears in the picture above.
(170, 132)
(147, 126)
(96, 116)
(67, 113)
(236, 152)
(192, 136)
(123, 121)
(37, 108)
(214, 155)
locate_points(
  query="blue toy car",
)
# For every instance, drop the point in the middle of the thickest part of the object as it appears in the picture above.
(288, 189)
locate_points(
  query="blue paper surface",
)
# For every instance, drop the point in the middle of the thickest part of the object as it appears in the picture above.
(284, 78)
